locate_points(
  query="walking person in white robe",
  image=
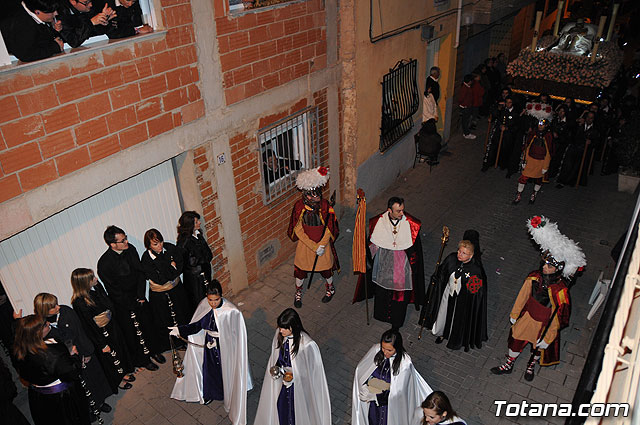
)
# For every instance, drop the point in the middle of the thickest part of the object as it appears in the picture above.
(387, 388)
(216, 363)
(294, 390)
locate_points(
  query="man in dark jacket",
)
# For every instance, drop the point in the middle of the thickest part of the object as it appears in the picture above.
(31, 33)
(465, 100)
(79, 22)
(432, 81)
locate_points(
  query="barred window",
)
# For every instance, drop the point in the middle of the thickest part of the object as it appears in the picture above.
(400, 100)
(287, 146)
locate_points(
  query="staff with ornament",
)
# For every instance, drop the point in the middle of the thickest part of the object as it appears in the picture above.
(313, 224)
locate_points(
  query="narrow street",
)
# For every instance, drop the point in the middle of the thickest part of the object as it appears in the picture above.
(454, 193)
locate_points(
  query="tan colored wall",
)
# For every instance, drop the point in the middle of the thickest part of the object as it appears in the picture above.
(373, 60)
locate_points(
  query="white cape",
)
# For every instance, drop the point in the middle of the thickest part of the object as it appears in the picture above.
(311, 394)
(408, 391)
(236, 376)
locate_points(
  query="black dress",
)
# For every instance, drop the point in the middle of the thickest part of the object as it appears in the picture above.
(123, 278)
(68, 330)
(116, 364)
(8, 391)
(65, 403)
(169, 307)
(197, 267)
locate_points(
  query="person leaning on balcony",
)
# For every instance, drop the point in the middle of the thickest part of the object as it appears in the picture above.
(80, 21)
(128, 21)
(32, 32)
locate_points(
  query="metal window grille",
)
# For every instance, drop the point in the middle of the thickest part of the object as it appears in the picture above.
(287, 146)
(400, 100)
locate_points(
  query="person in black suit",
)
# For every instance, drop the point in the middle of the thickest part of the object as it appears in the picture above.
(432, 81)
(80, 21)
(32, 32)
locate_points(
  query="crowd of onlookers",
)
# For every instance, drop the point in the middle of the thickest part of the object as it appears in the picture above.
(38, 29)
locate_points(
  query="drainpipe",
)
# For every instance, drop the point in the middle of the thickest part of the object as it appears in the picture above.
(458, 24)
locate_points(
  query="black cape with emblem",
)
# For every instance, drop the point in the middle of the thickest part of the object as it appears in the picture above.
(466, 313)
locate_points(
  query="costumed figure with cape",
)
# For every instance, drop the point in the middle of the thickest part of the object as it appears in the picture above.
(313, 224)
(459, 304)
(294, 390)
(543, 306)
(216, 363)
(397, 270)
(387, 388)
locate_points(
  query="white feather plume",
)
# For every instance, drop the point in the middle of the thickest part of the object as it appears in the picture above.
(312, 178)
(547, 235)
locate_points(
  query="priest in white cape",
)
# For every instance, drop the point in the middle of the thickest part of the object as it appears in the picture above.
(216, 363)
(294, 390)
(387, 388)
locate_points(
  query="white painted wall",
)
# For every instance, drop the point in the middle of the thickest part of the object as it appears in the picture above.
(41, 258)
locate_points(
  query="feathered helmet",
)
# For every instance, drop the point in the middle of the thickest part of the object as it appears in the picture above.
(311, 181)
(557, 249)
(541, 111)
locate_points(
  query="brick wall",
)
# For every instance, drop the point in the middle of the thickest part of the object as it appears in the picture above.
(261, 223)
(60, 116)
(267, 47)
(202, 159)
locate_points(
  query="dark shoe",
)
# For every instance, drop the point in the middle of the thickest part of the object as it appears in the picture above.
(207, 401)
(533, 197)
(129, 378)
(125, 386)
(559, 186)
(508, 176)
(498, 371)
(531, 370)
(159, 358)
(517, 199)
(151, 366)
(439, 340)
(105, 408)
(331, 290)
(297, 303)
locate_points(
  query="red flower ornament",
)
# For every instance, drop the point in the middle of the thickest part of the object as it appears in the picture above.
(323, 171)
(535, 221)
(538, 107)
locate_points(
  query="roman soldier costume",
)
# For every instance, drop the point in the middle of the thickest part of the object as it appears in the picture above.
(537, 152)
(313, 224)
(543, 306)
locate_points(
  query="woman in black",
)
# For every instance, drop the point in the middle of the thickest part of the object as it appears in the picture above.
(67, 329)
(162, 265)
(55, 394)
(197, 257)
(94, 308)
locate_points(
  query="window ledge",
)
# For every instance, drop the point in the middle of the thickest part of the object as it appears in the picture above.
(81, 51)
(242, 11)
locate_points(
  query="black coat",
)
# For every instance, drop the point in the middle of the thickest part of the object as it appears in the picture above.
(68, 407)
(123, 277)
(197, 266)
(76, 26)
(126, 21)
(468, 326)
(113, 338)
(435, 88)
(26, 39)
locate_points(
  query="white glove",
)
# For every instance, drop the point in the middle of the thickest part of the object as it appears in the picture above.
(542, 344)
(365, 395)
(544, 171)
(320, 250)
(512, 320)
(174, 331)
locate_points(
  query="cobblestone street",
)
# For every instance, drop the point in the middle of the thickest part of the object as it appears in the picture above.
(454, 193)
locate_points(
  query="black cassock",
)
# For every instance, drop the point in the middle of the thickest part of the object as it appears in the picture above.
(197, 267)
(466, 312)
(101, 337)
(124, 280)
(170, 308)
(69, 331)
(68, 404)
